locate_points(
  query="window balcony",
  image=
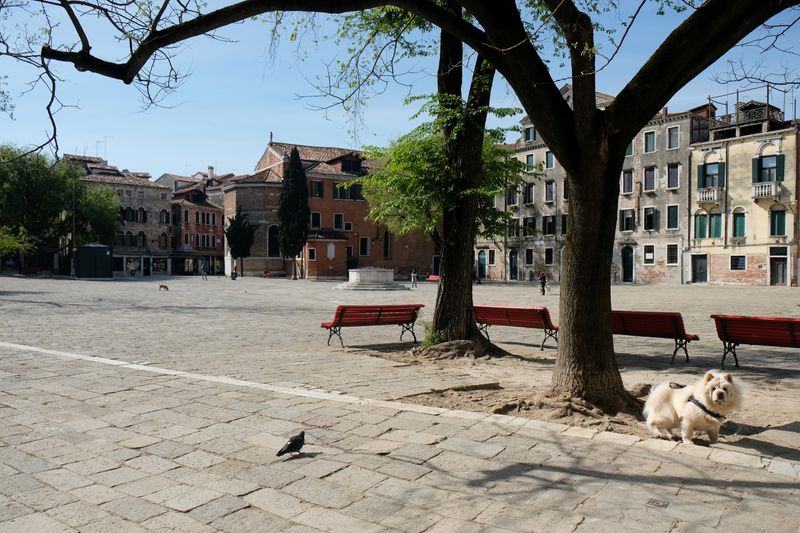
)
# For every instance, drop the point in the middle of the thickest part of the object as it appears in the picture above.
(767, 189)
(710, 195)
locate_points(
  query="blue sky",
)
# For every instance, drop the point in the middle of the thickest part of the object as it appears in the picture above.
(237, 94)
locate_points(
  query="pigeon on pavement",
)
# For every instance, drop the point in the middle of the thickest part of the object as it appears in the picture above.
(294, 445)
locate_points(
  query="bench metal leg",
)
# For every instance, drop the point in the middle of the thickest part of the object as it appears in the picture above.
(680, 343)
(549, 334)
(409, 328)
(335, 331)
(730, 348)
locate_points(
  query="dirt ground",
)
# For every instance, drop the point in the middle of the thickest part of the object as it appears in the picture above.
(768, 422)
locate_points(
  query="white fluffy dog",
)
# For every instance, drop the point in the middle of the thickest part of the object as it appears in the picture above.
(701, 407)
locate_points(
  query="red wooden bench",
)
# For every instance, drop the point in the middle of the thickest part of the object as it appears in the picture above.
(734, 330)
(662, 324)
(346, 316)
(433, 277)
(521, 317)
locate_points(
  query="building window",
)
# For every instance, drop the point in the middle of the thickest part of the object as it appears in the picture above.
(672, 254)
(564, 219)
(629, 149)
(128, 193)
(163, 217)
(163, 196)
(548, 256)
(351, 165)
(186, 238)
(711, 175)
(649, 142)
(528, 226)
(491, 257)
(549, 162)
(273, 242)
(351, 193)
(528, 199)
(363, 246)
(738, 262)
(768, 168)
(312, 254)
(197, 240)
(530, 134)
(140, 195)
(626, 220)
(550, 192)
(627, 181)
(387, 245)
(338, 221)
(650, 179)
(316, 220)
(317, 189)
(162, 240)
(213, 241)
(700, 226)
(140, 239)
(141, 215)
(672, 217)
(565, 191)
(213, 219)
(673, 176)
(186, 216)
(528, 256)
(348, 226)
(513, 228)
(197, 217)
(650, 216)
(529, 162)
(738, 224)
(649, 254)
(777, 223)
(511, 197)
(348, 251)
(549, 225)
(715, 225)
(673, 137)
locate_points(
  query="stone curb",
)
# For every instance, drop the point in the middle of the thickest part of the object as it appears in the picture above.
(774, 465)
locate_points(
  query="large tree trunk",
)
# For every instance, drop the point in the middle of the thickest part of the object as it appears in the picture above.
(586, 365)
(453, 316)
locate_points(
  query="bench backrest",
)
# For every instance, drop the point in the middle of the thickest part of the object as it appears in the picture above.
(664, 324)
(524, 317)
(762, 330)
(371, 315)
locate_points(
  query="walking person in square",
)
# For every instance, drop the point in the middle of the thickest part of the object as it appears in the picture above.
(542, 282)
(204, 271)
(413, 279)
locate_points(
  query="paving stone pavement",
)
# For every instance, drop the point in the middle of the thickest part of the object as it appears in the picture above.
(122, 410)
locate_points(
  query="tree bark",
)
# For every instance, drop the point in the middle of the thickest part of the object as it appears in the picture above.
(586, 364)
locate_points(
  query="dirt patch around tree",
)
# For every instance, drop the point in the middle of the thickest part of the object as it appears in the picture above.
(518, 384)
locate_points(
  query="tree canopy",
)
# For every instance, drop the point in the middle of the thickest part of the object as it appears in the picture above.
(240, 235)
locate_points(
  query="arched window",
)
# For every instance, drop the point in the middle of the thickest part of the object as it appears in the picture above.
(701, 225)
(197, 240)
(213, 219)
(129, 214)
(164, 217)
(140, 238)
(273, 244)
(142, 215)
(129, 239)
(739, 221)
(162, 241)
(186, 215)
(185, 238)
(214, 241)
(387, 246)
(197, 217)
(122, 213)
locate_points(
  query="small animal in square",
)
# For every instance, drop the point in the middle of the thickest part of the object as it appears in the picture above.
(294, 445)
(703, 406)
(163, 287)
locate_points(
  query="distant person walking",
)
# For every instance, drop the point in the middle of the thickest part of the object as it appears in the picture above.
(204, 271)
(542, 282)
(413, 279)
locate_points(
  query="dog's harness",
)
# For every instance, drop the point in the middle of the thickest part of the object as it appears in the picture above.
(705, 409)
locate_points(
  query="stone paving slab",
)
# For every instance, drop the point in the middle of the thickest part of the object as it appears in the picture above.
(111, 419)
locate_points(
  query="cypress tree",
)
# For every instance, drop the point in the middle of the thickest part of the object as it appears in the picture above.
(293, 211)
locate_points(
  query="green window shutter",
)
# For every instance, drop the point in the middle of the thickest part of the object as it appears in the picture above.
(715, 226)
(721, 178)
(701, 176)
(738, 224)
(777, 226)
(755, 170)
(672, 216)
(779, 162)
(621, 219)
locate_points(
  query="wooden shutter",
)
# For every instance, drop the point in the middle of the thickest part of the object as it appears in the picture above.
(779, 163)
(755, 170)
(721, 176)
(701, 176)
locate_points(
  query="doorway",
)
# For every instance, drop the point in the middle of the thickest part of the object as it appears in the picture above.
(627, 264)
(513, 264)
(777, 271)
(482, 264)
(699, 269)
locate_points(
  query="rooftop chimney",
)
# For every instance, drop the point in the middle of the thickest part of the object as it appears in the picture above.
(665, 110)
(210, 172)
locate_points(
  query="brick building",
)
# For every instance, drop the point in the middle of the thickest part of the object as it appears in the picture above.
(339, 236)
(141, 245)
(197, 231)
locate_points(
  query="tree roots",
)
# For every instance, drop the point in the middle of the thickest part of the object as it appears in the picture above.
(474, 348)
